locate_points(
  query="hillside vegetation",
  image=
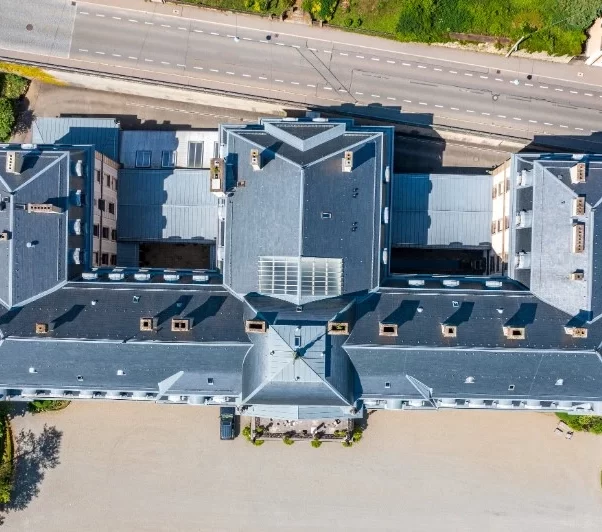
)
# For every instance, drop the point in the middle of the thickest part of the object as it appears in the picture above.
(557, 26)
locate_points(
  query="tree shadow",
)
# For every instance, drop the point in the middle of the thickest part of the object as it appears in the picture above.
(34, 455)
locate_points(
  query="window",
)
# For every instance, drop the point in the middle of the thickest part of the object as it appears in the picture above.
(105, 232)
(115, 186)
(168, 159)
(195, 154)
(113, 234)
(506, 222)
(101, 204)
(216, 150)
(326, 215)
(104, 259)
(96, 230)
(98, 176)
(111, 208)
(387, 384)
(507, 185)
(143, 159)
(113, 260)
(210, 380)
(95, 258)
(108, 180)
(494, 194)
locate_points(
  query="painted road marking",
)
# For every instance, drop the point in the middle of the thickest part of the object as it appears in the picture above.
(485, 114)
(83, 49)
(149, 60)
(589, 94)
(421, 66)
(438, 69)
(279, 80)
(499, 79)
(547, 124)
(501, 116)
(408, 101)
(116, 18)
(132, 20)
(422, 103)
(543, 87)
(533, 121)
(375, 59)
(468, 74)
(390, 98)
(516, 118)
(246, 75)
(564, 126)
(164, 63)
(198, 68)
(100, 53)
(375, 95)
(454, 109)
(230, 73)
(213, 70)
(183, 66)
(360, 56)
(132, 57)
(343, 53)
(150, 23)
(452, 72)
(469, 111)
(116, 55)
(439, 106)
(484, 77)
(212, 33)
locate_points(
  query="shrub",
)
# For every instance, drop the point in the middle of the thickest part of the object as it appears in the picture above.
(320, 9)
(357, 22)
(45, 405)
(348, 22)
(591, 424)
(6, 465)
(339, 433)
(7, 118)
(347, 443)
(258, 443)
(357, 434)
(288, 441)
(316, 443)
(246, 432)
(13, 86)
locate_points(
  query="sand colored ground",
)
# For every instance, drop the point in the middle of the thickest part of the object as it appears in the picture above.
(138, 467)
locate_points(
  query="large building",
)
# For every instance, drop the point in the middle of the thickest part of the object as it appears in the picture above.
(283, 268)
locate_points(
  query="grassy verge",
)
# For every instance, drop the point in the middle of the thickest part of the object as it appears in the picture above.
(45, 405)
(559, 24)
(29, 72)
(265, 7)
(591, 424)
(6, 463)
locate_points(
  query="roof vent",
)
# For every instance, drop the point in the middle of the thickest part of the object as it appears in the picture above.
(577, 275)
(4, 236)
(348, 161)
(89, 276)
(335, 327)
(255, 159)
(559, 382)
(514, 333)
(142, 276)
(451, 283)
(14, 162)
(579, 206)
(449, 331)
(33, 370)
(576, 332)
(43, 208)
(493, 284)
(255, 326)
(148, 324)
(578, 243)
(180, 325)
(120, 372)
(578, 174)
(42, 328)
(216, 174)
(416, 282)
(469, 380)
(387, 329)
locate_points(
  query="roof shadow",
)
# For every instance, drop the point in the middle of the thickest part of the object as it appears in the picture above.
(175, 309)
(404, 313)
(461, 315)
(524, 316)
(209, 308)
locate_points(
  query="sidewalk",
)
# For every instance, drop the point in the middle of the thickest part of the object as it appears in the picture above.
(572, 73)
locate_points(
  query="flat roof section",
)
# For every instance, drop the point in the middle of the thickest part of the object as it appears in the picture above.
(441, 210)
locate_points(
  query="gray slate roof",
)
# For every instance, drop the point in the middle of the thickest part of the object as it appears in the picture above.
(550, 238)
(166, 204)
(103, 133)
(58, 363)
(284, 201)
(441, 210)
(480, 317)
(104, 311)
(496, 373)
(27, 272)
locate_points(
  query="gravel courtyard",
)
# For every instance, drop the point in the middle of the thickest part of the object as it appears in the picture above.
(140, 467)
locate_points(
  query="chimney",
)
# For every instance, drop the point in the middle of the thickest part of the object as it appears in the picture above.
(578, 240)
(578, 174)
(43, 208)
(255, 160)
(255, 326)
(514, 333)
(4, 236)
(387, 329)
(336, 328)
(148, 324)
(576, 332)
(180, 324)
(449, 331)
(348, 161)
(42, 328)
(14, 162)
(577, 275)
(579, 206)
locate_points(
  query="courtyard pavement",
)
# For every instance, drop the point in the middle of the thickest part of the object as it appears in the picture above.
(144, 467)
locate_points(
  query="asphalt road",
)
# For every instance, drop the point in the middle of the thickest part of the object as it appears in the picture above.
(296, 67)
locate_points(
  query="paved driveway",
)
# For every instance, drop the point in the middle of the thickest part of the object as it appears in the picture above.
(139, 467)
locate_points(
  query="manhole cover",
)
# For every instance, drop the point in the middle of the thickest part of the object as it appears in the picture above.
(495, 97)
(29, 27)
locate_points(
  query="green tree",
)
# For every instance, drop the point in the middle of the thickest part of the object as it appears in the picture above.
(13, 86)
(7, 118)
